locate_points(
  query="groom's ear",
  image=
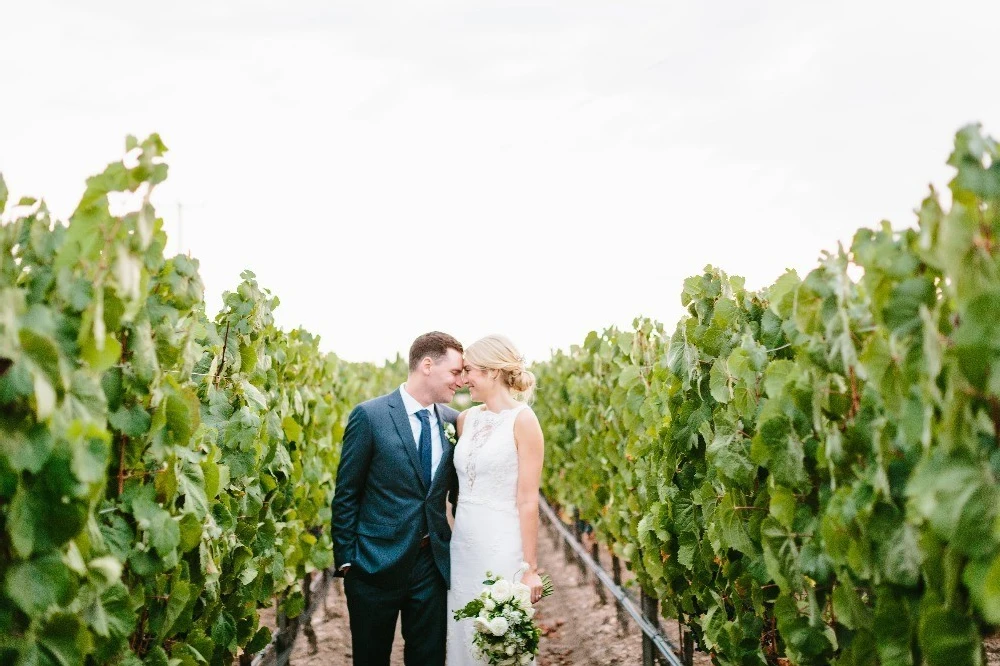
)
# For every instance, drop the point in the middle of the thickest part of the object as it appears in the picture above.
(426, 363)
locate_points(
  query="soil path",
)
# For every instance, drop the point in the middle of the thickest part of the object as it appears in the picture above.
(577, 627)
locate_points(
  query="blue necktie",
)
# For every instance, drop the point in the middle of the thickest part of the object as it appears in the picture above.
(425, 446)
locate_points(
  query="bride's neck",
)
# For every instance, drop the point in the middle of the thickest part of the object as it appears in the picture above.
(499, 400)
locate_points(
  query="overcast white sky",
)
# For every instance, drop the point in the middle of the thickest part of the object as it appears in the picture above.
(535, 168)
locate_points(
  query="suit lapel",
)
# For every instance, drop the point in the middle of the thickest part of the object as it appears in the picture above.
(402, 422)
(445, 444)
(446, 447)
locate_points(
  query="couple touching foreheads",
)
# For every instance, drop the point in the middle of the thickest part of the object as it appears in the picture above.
(403, 455)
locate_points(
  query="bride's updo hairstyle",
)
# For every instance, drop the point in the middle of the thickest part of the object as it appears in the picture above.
(496, 352)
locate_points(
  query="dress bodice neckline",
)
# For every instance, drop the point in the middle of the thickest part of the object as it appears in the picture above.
(487, 410)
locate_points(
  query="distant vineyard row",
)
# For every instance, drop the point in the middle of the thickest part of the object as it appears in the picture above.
(809, 472)
(162, 475)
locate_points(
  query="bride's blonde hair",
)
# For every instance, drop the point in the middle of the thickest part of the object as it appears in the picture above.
(496, 352)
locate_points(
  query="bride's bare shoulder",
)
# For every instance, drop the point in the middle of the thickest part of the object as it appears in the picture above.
(526, 415)
(526, 423)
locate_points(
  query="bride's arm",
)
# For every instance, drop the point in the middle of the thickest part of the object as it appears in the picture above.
(453, 481)
(530, 453)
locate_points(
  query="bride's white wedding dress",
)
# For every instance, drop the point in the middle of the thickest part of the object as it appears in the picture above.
(487, 534)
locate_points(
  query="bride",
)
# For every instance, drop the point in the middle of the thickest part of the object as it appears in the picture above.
(498, 460)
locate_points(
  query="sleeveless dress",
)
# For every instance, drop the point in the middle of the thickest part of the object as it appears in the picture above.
(487, 534)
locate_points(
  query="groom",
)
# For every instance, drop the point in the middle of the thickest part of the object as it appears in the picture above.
(390, 532)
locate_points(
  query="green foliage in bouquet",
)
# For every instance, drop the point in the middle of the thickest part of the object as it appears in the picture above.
(504, 631)
(809, 472)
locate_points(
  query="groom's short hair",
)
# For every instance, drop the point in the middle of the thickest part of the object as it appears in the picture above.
(434, 344)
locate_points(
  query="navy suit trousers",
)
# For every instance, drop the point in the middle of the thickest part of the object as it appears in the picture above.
(374, 611)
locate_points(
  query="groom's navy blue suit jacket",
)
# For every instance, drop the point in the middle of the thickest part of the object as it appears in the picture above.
(381, 507)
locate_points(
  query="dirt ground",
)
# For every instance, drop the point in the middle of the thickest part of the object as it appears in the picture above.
(993, 650)
(577, 627)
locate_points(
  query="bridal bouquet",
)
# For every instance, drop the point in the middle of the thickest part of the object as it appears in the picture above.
(504, 631)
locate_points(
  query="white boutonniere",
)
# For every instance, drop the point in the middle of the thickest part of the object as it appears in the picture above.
(449, 432)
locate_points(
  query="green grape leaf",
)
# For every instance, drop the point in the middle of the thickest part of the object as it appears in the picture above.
(91, 449)
(224, 632)
(27, 451)
(157, 657)
(63, 640)
(104, 571)
(253, 395)
(293, 431)
(190, 532)
(191, 484)
(180, 595)
(133, 421)
(294, 604)
(260, 640)
(782, 506)
(848, 606)
(982, 578)
(977, 341)
(45, 397)
(719, 381)
(40, 584)
(948, 638)
(902, 312)
(44, 354)
(101, 357)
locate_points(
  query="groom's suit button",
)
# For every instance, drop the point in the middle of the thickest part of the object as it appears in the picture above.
(426, 541)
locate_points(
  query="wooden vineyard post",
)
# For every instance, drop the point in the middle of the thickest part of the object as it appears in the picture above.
(307, 627)
(595, 552)
(650, 610)
(567, 548)
(578, 533)
(616, 575)
(687, 647)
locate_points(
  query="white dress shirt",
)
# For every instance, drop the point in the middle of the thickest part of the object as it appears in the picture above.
(412, 407)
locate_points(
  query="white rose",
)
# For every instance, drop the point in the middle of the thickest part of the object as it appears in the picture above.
(510, 649)
(529, 613)
(489, 604)
(498, 626)
(523, 594)
(481, 625)
(501, 591)
(526, 658)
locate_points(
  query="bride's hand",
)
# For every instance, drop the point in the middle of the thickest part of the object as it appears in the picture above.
(534, 581)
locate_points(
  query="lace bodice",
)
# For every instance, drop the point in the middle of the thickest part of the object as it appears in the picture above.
(486, 459)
